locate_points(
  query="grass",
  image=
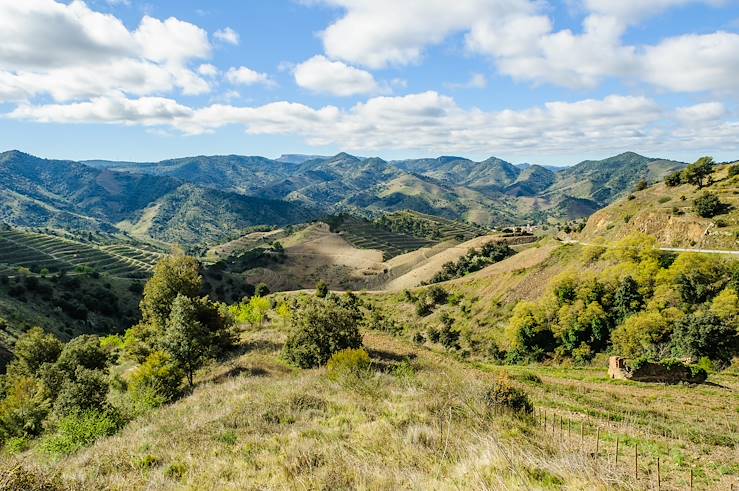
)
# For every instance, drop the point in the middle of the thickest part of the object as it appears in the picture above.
(419, 421)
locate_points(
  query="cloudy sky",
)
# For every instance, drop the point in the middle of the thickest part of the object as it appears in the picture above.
(544, 81)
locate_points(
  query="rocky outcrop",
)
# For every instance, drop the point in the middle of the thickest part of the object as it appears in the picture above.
(666, 372)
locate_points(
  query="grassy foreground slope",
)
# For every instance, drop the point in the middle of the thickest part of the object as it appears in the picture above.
(420, 422)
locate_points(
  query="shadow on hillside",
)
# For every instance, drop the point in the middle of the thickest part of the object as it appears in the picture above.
(386, 360)
(237, 371)
(259, 345)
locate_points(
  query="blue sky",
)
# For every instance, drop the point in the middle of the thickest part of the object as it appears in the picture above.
(526, 80)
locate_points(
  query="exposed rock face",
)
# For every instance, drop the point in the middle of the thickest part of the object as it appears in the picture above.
(666, 373)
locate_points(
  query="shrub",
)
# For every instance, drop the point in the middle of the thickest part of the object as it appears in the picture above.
(705, 334)
(640, 334)
(21, 478)
(349, 363)
(503, 395)
(156, 381)
(641, 185)
(319, 328)
(708, 205)
(23, 408)
(734, 170)
(664, 199)
(83, 351)
(321, 289)
(85, 391)
(674, 179)
(175, 471)
(36, 347)
(261, 290)
(80, 430)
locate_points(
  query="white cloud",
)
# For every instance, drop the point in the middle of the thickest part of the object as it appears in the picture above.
(701, 113)
(695, 63)
(207, 70)
(171, 41)
(247, 76)
(227, 35)
(476, 81)
(319, 74)
(145, 111)
(429, 122)
(70, 51)
(521, 39)
(378, 33)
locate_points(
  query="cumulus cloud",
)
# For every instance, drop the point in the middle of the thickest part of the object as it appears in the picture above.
(519, 36)
(319, 74)
(701, 113)
(70, 51)
(227, 35)
(695, 63)
(246, 76)
(427, 122)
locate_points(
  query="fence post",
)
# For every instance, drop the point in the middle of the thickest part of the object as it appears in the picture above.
(597, 443)
(582, 433)
(616, 449)
(691, 479)
(636, 461)
(659, 480)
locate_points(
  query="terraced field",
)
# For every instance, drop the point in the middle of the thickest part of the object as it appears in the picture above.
(449, 229)
(364, 234)
(35, 251)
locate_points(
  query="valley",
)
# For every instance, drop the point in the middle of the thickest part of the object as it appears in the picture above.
(475, 352)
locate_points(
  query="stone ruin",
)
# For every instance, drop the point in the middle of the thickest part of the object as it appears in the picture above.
(653, 372)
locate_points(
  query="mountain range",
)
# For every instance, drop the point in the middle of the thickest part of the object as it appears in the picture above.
(204, 199)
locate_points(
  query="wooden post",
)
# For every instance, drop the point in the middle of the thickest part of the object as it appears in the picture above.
(659, 480)
(636, 461)
(582, 433)
(616, 450)
(597, 443)
(691, 479)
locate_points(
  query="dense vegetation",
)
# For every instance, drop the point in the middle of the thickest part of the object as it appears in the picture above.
(643, 303)
(474, 260)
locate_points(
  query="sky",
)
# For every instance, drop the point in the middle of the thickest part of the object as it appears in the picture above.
(540, 81)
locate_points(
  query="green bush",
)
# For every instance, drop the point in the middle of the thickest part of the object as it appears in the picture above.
(708, 205)
(80, 430)
(35, 348)
(504, 395)
(319, 328)
(349, 363)
(85, 391)
(156, 381)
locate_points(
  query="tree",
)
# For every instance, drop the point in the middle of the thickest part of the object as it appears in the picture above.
(320, 327)
(641, 185)
(674, 179)
(708, 205)
(699, 172)
(196, 331)
(627, 299)
(640, 334)
(321, 289)
(261, 290)
(173, 276)
(35, 348)
(705, 334)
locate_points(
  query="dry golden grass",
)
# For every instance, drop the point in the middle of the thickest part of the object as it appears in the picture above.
(419, 422)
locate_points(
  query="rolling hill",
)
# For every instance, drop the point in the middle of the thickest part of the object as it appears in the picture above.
(492, 192)
(668, 214)
(37, 192)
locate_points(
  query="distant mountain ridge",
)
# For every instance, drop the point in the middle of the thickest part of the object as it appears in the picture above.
(37, 192)
(162, 198)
